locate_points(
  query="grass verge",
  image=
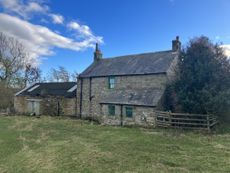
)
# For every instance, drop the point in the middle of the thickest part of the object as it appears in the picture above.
(59, 145)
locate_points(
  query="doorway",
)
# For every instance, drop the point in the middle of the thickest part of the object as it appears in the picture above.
(34, 107)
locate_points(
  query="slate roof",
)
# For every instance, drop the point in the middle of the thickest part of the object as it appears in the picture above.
(50, 89)
(141, 97)
(147, 63)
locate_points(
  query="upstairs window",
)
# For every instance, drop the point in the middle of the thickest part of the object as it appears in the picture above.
(111, 109)
(111, 82)
(129, 111)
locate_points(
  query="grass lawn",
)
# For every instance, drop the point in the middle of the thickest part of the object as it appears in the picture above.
(60, 145)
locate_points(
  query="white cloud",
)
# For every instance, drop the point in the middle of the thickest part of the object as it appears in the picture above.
(40, 40)
(226, 48)
(84, 31)
(57, 19)
(22, 9)
(15, 20)
(27, 10)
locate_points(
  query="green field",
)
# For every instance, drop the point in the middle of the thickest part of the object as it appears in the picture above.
(61, 145)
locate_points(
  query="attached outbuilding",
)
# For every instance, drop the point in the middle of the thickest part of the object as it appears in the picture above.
(47, 99)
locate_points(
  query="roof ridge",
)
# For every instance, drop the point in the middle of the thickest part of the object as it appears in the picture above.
(135, 64)
(138, 54)
(53, 82)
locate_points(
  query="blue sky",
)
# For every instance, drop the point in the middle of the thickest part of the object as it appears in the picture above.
(63, 33)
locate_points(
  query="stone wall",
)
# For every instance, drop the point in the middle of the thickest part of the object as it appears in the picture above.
(48, 106)
(20, 105)
(68, 106)
(99, 89)
(171, 72)
(143, 116)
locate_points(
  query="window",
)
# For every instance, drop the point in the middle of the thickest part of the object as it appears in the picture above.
(129, 112)
(111, 109)
(111, 82)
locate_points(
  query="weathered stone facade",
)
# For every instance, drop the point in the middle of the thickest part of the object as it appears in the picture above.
(20, 104)
(52, 98)
(138, 84)
(143, 116)
(47, 106)
(93, 90)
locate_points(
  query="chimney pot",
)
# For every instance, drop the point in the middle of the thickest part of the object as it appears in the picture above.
(97, 53)
(176, 44)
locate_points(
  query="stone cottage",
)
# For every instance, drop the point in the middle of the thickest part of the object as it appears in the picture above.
(125, 90)
(47, 99)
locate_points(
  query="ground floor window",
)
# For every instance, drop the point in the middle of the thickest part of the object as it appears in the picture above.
(111, 109)
(129, 111)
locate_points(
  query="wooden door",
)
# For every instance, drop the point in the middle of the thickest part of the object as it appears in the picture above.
(34, 107)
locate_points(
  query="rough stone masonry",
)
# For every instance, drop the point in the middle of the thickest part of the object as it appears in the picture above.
(125, 90)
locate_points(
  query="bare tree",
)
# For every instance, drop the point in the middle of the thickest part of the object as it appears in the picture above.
(14, 67)
(53, 75)
(59, 75)
(31, 75)
(12, 58)
(74, 76)
(64, 74)
(15, 70)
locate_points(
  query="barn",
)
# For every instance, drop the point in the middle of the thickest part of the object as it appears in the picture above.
(53, 98)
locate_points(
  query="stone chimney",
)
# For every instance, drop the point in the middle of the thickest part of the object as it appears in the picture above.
(97, 54)
(176, 44)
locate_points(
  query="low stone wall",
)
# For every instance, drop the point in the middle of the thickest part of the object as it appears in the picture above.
(143, 116)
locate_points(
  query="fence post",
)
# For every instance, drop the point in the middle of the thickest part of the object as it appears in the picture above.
(208, 122)
(155, 117)
(170, 120)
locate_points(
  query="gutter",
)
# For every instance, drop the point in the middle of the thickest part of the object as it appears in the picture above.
(127, 104)
(143, 74)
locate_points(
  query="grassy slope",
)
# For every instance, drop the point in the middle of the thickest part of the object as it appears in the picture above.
(62, 145)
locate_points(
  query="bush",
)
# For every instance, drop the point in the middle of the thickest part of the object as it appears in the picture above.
(6, 97)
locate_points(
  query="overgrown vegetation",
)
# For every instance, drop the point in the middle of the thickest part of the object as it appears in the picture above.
(203, 80)
(64, 145)
(16, 64)
(6, 97)
(18, 70)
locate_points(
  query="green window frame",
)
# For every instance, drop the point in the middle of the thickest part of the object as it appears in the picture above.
(111, 110)
(129, 111)
(111, 82)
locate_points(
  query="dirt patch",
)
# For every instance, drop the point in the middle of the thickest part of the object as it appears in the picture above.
(220, 146)
(153, 133)
(2, 169)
